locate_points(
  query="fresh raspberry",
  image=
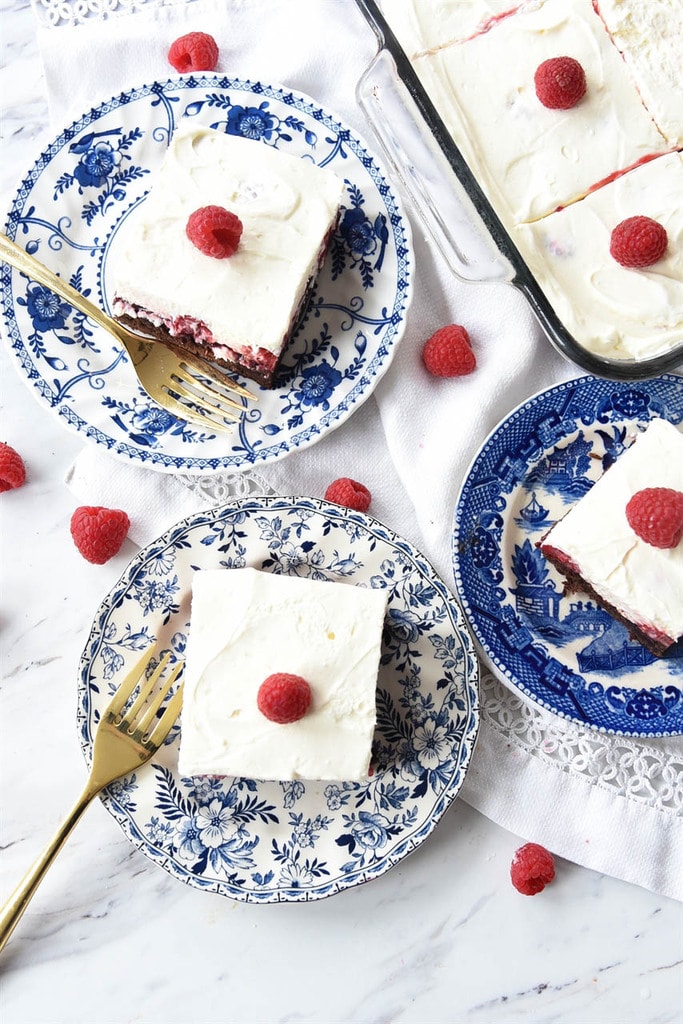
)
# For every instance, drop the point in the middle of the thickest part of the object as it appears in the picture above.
(98, 532)
(531, 869)
(196, 51)
(214, 231)
(655, 514)
(560, 82)
(638, 242)
(448, 352)
(12, 468)
(283, 698)
(350, 493)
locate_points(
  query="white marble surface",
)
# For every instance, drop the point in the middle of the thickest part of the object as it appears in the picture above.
(111, 938)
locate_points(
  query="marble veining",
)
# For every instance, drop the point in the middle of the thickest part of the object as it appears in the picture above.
(110, 937)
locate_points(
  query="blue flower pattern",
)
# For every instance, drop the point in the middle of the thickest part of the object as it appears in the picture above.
(49, 315)
(102, 163)
(47, 311)
(148, 424)
(260, 840)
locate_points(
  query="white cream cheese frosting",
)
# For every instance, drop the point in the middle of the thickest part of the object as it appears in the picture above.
(649, 35)
(528, 158)
(422, 27)
(597, 299)
(642, 582)
(477, 62)
(247, 624)
(287, 207)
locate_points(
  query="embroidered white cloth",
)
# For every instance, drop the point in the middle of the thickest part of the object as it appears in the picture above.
(611, 804)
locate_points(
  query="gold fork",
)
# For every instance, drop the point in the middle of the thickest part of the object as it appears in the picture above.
(185, 385)
(125, 739)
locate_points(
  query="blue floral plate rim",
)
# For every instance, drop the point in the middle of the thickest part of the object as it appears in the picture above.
(560, 652)
(68, 211)
(266, 842)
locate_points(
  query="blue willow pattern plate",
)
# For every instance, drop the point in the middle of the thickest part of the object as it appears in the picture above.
(561, 651)
(266, 842)
(71, 210)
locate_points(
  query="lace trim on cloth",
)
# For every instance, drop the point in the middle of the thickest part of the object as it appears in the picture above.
(221, 487)
(58, 13)
(646, 772)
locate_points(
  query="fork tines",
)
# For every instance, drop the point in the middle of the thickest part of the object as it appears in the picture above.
(205, 397)
(209, 397)
(119, 713)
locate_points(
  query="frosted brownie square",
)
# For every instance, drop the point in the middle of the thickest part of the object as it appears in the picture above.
(597, 550)
(247, 625)
(240, 311)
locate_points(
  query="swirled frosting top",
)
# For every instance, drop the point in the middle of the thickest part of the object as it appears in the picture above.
(246, 625)
(286, 205)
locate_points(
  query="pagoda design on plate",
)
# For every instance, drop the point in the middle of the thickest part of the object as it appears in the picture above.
(609, 647)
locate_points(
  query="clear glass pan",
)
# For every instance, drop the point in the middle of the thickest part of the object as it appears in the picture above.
(450, 203)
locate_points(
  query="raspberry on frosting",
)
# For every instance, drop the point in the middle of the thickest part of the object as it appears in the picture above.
(215, 231)
(284, 698)
(532, 869)
(638, 242)
(12, 468)
(655, 514)
(196, 51)
(560, 83)
(99, 532)
(350, 493)
(448, 352)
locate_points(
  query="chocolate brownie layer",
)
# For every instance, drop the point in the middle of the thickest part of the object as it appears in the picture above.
(574, 583)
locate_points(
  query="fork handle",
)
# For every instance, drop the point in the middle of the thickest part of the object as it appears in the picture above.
(21, 897)
(17, 257)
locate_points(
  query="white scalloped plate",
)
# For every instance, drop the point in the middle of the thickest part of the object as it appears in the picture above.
(269, 842)
(73, 203)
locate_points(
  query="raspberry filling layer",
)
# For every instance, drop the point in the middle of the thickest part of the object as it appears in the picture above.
(183, 327)
(575, 579)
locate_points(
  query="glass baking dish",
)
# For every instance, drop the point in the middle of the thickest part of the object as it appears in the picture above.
(452, 206)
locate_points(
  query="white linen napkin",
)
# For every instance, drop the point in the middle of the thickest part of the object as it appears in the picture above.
(612, 804)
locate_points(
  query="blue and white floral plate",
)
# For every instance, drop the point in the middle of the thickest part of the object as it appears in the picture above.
(268, 842)
(71, 211)
(562, 652)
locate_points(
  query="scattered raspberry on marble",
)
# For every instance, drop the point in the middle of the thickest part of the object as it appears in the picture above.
(638, 242)
(99, 532)
(215, 231)
(12, 468)
(560, 83)
(196, 51)
(350, 493)
(532, 868)
(448, 352)
(284, 698)
(655, 514)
